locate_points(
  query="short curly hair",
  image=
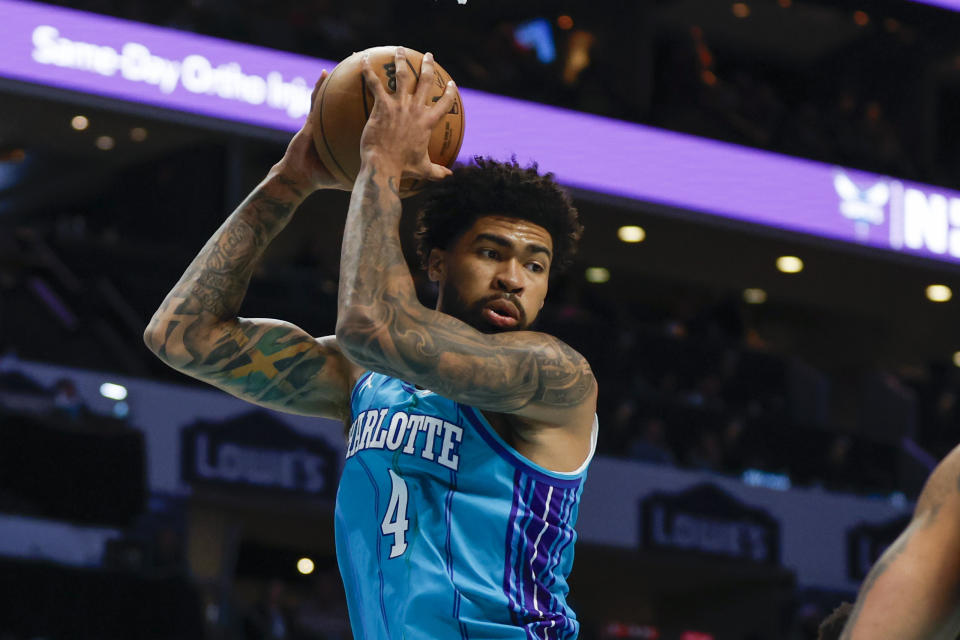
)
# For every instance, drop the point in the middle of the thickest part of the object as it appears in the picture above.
(487, 187)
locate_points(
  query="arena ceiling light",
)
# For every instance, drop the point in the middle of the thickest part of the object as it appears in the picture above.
(939, 293)
(631, 234)
(789, 264)
(740, 9)
(79, 123)
(138, 134)
(956, 358)
(597, 275)
(305, 566)
(113, 391)
(105, 143)
(754, 295)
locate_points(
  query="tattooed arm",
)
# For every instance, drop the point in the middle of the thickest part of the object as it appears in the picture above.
(381, 324)
(913, 591)
(267, 362)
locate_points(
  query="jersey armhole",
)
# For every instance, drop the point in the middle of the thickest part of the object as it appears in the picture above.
(524, 464)
(356, 390)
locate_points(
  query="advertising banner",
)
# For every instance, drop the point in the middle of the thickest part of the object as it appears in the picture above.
(186, 72)
(707, 520)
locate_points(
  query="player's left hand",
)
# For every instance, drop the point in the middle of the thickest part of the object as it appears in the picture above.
(397, 133)
(301, 163)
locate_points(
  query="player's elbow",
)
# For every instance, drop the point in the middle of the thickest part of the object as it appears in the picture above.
(357, 333)
(152, 336)
(164, 339)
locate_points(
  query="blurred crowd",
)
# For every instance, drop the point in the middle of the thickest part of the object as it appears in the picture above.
(705, 390)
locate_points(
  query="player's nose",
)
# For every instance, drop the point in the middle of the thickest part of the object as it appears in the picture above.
(510, 276)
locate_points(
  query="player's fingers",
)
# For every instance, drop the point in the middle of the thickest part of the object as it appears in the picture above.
(445, 103)
(371, 81)
(438, 172)
(406, 83)
(426, 78)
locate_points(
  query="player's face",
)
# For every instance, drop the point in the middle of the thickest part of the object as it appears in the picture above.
(494, 277)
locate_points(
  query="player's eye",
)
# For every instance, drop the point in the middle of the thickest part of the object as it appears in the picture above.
(536, 267)
(493, 254)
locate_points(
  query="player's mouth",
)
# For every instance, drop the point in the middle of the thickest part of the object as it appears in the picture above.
(502, 313)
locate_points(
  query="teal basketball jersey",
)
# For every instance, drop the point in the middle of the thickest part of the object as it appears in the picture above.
(443, 530)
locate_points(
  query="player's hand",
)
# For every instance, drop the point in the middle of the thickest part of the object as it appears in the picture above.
(398, 130)
(301, 163)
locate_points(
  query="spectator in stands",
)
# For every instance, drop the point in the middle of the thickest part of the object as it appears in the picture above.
(732, 444)
(835, 470)
(168, 556)
(323, 614)
(67, 402)
(707, 453)
(270, 619)
(650, 445)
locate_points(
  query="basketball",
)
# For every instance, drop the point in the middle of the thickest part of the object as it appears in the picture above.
(344, 104)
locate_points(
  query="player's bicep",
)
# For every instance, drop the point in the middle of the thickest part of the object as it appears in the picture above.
(277, 365)
(532, 375)
(525, 373)
(912, 592)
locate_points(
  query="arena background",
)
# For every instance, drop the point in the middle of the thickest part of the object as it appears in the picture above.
(766, 422)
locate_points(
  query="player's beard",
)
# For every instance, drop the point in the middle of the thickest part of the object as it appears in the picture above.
(472, 313)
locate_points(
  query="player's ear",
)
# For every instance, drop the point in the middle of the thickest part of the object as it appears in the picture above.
(436, 264)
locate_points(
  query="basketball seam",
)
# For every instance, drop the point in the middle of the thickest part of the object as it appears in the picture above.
(326, 143)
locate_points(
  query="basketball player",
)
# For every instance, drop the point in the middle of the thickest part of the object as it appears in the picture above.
(469, 434)
(913, 591)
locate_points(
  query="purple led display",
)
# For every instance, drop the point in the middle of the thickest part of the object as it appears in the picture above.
(186, 72)
(142, 63)
(953, 5)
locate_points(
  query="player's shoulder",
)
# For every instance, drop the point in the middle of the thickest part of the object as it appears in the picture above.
(547, 345)
(567, 388)
(943, 485)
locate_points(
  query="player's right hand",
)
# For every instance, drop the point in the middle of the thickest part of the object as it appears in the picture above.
(301, 163)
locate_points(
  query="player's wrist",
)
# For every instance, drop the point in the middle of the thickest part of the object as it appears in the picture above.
(288, 185)
(298, 183)
(381, 163)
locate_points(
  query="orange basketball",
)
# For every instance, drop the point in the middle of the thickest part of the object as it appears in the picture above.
(344, 104)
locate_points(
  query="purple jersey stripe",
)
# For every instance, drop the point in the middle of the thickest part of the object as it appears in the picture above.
(524, 548)
(509, 578)
(559, 622)
(531, 528)
(563, 540)
(544, 532)
(550, 543)
(546, 535)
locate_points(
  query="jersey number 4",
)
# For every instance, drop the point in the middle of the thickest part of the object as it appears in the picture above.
(395, 521)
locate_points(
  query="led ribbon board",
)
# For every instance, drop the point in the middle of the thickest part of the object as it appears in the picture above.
(953, 5)
(186, 72)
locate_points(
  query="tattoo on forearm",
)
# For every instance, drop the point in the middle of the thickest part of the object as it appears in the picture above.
(268, 362)
(390, 331)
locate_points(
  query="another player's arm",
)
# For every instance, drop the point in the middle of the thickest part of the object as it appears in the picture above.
(268, 362)
(913, 591)
(382, 326)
